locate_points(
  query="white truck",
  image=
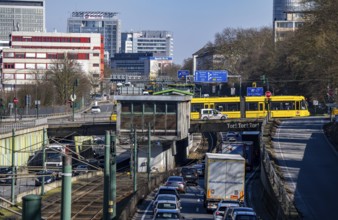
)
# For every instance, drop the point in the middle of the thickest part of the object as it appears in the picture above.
(224, 179)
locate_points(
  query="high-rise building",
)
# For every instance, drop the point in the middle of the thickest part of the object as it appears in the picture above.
(32, 54)
(160, 43)
(105, 23)
(288, 15)
(21, 15)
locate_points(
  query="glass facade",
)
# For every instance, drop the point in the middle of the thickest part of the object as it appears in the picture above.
(21, 15)
(105, 23)
(160, 43)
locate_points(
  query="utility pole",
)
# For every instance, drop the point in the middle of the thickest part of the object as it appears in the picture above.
(44, 144)
(66, 201)
(149, 157)
(135, 162)
(106, 214)
(13, 168)
(112, 203)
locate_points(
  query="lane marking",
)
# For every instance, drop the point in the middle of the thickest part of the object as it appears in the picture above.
(146, 211)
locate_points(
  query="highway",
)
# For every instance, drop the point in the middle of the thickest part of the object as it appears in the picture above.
(310, 165)
(191, 202)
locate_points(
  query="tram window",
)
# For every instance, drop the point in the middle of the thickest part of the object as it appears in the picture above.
(282, 106)
(196, 107)
(227, 107)
(252, 106)
(303, 105)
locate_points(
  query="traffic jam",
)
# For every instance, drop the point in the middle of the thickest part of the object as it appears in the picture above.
(213, 188)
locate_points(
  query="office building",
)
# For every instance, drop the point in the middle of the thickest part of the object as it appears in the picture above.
(33, 53)
(145, 65)
(160, 43)
(105, 23)
(21, 15)
(288, 16)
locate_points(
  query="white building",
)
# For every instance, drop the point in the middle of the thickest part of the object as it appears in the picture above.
(32, 53)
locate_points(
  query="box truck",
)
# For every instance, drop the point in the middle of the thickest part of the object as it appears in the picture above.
(224, 179)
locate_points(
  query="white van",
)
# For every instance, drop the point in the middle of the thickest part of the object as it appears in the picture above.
(208, 113)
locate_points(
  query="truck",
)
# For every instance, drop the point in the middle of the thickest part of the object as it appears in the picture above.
(224, 179)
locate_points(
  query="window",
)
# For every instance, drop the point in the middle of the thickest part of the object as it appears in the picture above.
(96, 65)
(149, 107)
(171, 108)
(30, 65)
(96, 54)
(160, 108)
(138, 107)
(9, 55)
(41, 66)
(126, 107)
(30, 55)
(19, 66)
(19, 55)
(51, 55)
(252, 106)
(196, 107)
(41, 55)
(8, 65)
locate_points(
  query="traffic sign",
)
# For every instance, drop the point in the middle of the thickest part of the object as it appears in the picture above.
(15, 100)
(183, 73)
(254, 91)
(211, 76)
(73, 97)
(268, 94)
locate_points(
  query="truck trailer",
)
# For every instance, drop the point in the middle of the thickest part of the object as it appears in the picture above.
(224, 179)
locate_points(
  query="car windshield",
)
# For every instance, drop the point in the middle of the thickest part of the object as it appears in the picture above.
(96, 107)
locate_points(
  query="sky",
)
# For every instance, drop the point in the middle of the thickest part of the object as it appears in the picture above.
(193, 23)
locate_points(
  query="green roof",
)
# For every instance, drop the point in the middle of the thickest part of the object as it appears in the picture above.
(172, 92)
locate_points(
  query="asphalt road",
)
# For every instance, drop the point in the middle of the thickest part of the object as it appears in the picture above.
(191, 202)
(310, 165)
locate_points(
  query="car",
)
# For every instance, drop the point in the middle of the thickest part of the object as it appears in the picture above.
(200, 167)
(168, 190)
(96, 109)
(208, 113)
(231, 210)
(167, 214)
(190, 175)
(244, 215)
(177, 182)
(222, 207)
(166, 204)
(50, 176)
(166, 197)
(81, 169)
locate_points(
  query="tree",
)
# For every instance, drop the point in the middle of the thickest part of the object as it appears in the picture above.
(63, 76)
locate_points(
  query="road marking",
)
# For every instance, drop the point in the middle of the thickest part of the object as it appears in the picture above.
(146, 211)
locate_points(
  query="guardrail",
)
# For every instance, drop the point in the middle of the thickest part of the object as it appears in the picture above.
(8, 127)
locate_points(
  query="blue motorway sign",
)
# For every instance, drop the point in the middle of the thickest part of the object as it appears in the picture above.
(211, 76)
(254, 91)
(182, 73)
